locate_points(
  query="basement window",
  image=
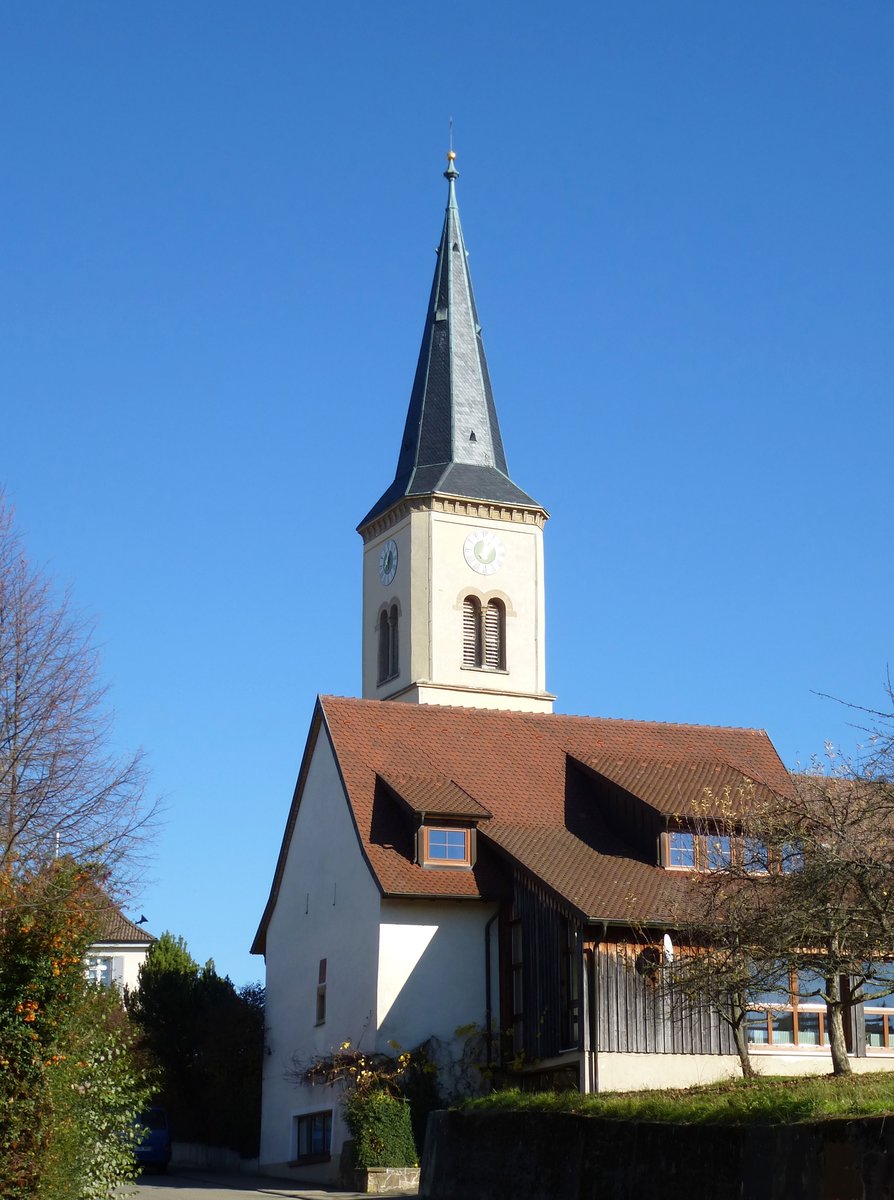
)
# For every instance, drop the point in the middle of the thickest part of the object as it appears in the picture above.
(312, 1137)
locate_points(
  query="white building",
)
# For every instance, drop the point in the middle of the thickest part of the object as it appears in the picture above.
(455, 853)
(120, 948)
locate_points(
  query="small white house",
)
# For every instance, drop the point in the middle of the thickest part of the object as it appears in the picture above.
(120, 948)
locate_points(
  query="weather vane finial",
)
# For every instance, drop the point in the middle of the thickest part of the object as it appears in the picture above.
(451, 172)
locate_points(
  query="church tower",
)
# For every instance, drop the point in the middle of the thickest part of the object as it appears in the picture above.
(453, 591)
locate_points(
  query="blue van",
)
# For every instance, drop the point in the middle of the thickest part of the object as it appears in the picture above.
(154, 1150)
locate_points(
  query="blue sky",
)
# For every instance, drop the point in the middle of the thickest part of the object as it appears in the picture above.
(217, 225)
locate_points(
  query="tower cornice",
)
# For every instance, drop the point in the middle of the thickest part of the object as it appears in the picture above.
(478, 510)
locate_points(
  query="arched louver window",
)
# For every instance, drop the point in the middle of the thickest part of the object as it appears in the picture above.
(495, 636)
(388, 658)
(484, 634)
(393, 662)
(384, 648)
(471, 632)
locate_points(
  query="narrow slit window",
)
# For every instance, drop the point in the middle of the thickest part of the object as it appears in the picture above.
(321, 993)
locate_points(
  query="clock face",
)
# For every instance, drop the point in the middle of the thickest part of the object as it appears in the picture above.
(388, 561)
(484, 552)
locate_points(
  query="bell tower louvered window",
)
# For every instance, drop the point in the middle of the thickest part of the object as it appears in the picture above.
(471, 632)
(495, 636)
(484, 634)
(388, 661)
(393, 663)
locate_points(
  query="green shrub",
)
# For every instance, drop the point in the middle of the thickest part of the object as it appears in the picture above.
(381, 1128)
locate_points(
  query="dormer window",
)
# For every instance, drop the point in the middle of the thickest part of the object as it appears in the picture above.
(446, 846)
(681, 850)
(686, 850)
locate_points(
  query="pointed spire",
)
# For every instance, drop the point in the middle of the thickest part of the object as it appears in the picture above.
(452, 444)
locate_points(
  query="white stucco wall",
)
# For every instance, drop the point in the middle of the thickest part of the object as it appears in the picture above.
(431, 582)
(328, 907)
(432, 970)
(125, 959)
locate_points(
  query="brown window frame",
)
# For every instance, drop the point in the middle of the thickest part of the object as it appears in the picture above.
(736, 845)
(425, 856)
(810, 1007)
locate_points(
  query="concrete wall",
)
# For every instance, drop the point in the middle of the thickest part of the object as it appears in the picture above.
(636, 1072)
(328, 907)
(529, 1156)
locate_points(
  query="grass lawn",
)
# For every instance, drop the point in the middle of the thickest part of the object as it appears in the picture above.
(767, 1100)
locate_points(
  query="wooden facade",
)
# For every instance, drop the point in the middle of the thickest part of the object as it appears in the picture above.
(633, 1014)
(551, 960)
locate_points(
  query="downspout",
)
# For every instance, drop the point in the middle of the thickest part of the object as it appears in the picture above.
(590, 1018)
(488, 1005)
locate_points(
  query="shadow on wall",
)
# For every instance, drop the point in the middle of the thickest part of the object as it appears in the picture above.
(431, 975)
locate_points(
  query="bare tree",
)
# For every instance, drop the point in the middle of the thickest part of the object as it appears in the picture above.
(800, 888)
(722, 960)
(62, 789)
(836, 913)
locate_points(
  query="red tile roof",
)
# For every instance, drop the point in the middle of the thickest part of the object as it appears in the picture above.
(515, 766)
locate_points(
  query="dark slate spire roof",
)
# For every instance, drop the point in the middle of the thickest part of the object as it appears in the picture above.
(452, 443)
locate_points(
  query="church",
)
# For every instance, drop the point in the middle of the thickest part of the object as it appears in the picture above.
(457, 856)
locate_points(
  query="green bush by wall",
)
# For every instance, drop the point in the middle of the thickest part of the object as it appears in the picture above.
(381, 1129)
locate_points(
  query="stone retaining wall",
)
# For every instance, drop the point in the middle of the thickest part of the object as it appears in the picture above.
(558, 1156)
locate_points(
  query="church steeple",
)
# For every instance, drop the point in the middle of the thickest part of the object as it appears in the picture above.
(452, 443)
(453, 591)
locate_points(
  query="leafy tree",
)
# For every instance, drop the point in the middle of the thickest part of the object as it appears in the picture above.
(208, 1039)
(69, 1089)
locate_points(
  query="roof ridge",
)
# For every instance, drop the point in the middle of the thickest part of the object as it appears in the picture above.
(553, 716)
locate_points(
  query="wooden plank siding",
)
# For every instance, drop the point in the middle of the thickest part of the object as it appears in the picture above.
(544, 932)
(634, 1015)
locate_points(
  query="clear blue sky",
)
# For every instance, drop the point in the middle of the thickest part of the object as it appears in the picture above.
(217, 224)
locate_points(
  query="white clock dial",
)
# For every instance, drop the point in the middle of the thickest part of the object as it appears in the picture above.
(388, 561)
(484, 552)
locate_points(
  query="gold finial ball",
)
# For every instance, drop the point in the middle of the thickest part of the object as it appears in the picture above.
(451, 155)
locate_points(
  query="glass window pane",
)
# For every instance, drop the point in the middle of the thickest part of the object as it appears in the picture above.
(791, 856)
(448, 844)
(875, 1029)
(881, 976)
(783, 1028)
(682, 849)
(811, 987)
(755, 857)
(718, 852)
(808, 1028)
(756, 1028)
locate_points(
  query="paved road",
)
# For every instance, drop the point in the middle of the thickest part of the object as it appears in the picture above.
(201, 1185)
